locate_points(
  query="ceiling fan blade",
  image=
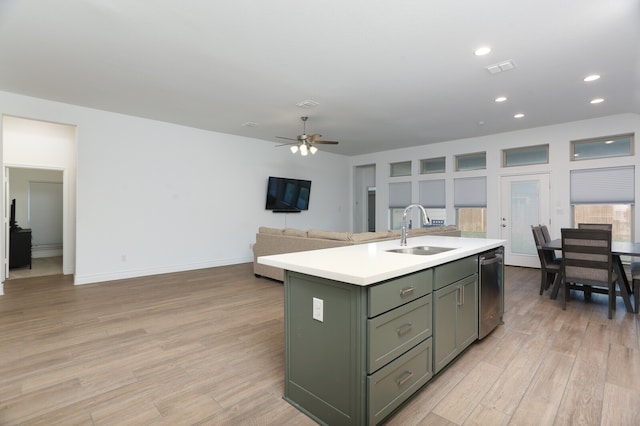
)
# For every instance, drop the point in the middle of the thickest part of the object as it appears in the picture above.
(289, 139)
(327, 142)
(313, 137)
(286, 144)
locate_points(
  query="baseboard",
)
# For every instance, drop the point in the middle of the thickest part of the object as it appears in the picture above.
(46, 250)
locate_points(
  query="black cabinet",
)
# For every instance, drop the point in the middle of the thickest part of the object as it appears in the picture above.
(19, 248)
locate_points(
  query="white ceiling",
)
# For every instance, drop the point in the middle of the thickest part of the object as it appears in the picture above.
(387, 74)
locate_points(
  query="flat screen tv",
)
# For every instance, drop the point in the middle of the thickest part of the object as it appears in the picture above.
(288, 195)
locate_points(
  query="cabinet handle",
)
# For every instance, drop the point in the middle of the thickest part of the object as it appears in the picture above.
(407, 291)
(462, 292)
(404, 378)
(404, 329)
(459, 296)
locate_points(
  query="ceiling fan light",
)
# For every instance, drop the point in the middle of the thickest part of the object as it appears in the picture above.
(313, 149)
(303, 150)
(294, 148)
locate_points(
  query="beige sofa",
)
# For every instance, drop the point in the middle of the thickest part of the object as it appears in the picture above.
(277, 241)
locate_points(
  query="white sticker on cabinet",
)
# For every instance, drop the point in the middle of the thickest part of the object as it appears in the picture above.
(318, 309)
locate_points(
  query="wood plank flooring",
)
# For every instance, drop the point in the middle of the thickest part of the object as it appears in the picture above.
(207, 348)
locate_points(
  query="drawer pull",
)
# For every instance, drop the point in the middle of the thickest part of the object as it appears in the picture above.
(404, 329)
(407, 291)
(404, 378)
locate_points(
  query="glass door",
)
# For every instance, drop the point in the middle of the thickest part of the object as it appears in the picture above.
(524, 202)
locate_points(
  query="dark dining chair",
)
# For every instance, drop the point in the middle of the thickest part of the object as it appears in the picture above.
(587, 264)
(550, 268)
(635, 276)
(547, 238)
(605, 226)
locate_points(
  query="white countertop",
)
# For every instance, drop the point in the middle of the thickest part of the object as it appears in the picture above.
(365, 264)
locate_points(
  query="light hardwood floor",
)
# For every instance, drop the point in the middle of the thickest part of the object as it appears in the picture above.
(206, 347)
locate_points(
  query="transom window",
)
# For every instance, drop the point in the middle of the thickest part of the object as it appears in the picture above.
(609, 146)
(432, 165)
(475, 161)
(525, 156)
(402, 168)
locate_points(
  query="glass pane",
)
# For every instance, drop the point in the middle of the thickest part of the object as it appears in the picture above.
(614, 146)
(472, 221)
(525, 156)
(471, 161)
(525, 211)
(400, 169)
(432, 165)
(438, 217)
(619, 215)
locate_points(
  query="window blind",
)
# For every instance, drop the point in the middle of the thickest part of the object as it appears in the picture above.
(432, 194)
(399, 194)
(470, 192)
(610, 185)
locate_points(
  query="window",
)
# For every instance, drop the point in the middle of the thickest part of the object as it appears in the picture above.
(476, 161)
(525, 156)
(619, 215)
(612, 146)
(432, 165)
(604, 195)
(432, 198)
(400, 169)
(399, 199)
(470, 201)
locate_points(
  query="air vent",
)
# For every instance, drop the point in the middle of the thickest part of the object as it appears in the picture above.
(500, 67)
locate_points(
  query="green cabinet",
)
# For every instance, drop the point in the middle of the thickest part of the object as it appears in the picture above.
(353, 354)
(455, 310)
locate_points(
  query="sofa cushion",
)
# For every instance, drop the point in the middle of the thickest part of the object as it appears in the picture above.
(393, 233)
(293, 232)
(270, 231)
(368, 236)
(328, 235)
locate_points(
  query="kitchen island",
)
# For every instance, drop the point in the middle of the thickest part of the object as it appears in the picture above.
(366, 326)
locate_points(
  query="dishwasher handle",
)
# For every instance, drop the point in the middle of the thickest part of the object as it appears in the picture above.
(490, 260)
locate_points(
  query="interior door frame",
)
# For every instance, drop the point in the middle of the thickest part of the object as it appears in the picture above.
(544, 215)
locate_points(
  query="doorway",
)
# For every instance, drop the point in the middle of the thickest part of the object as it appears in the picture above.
(364, 190)
(36, 145)
(524, 202)
(36, 199)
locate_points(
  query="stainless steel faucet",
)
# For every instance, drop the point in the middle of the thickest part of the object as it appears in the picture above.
(403, 233)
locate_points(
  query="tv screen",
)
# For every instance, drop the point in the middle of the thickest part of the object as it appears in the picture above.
(289, 195)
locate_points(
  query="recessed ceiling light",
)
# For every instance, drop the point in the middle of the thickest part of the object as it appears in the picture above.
(501, 99)
(481, 51)
(592, 77)
(518, 115)
(597, 100)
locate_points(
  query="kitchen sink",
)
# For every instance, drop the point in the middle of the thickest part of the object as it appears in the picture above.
(421, 250)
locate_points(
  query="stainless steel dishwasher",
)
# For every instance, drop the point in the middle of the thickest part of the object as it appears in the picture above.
(491, 291)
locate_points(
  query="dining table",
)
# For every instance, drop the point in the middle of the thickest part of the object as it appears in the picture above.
(618, 249)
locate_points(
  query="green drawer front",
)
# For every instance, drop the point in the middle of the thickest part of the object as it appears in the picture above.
(391, 334)
(398, 291)
(454, 271)
(396, 382)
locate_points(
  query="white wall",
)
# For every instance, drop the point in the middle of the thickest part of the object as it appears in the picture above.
(155, 197)
(558, 137)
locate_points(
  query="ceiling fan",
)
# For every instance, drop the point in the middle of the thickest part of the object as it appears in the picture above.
(305, 143)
